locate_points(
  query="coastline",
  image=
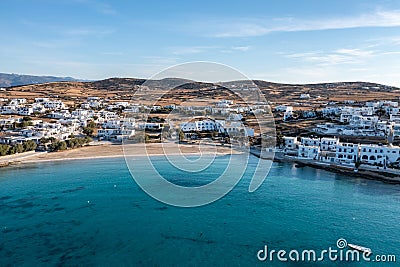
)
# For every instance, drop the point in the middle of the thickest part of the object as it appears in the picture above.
(105, 151)
(348, 171)
(113, 151)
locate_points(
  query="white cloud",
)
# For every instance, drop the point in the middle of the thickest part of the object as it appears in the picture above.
(241, 48)
(339, 56)
(88, 31)
(185, 50)
(258, 27)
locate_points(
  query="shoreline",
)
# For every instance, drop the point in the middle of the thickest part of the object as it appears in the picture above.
(348, 171)
(105, 151)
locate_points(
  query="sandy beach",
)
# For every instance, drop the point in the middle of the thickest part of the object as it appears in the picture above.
(116, 150)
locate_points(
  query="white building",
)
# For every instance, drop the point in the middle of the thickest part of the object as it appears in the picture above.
(290, 142)
(224, 103)
(200, 125)
(373, 154)
(150, 126)
(305, 96)
(346, 153)
(25, 111)
(309, 141)
(53, 104)
(115, 134)
(17, 101)
(288, 114)
(308, 152)
(328, 144)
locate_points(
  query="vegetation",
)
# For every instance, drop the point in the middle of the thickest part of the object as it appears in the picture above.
(181, 135)
(58, 145)
(75, 142)
(89, 129)
(26, 121)
(17, 148)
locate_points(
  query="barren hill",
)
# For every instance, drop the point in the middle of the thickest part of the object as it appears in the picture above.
(125, 88)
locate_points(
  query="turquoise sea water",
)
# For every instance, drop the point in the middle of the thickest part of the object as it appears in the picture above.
(92, 213)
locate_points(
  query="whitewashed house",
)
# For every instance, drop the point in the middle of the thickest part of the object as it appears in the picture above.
(308, 152)
(288, 114)
(115, 134)
(281, 108)
(235, 117)
(305, 96)
(373, 154)
(290, 143)
(224, 103)
(392, 154)
(200, 125)
(346, 153)
(54, 104)
(25, 111)
(309, 141)
(17, 101)
(6, 110)
(150, 126)
(328, 144)
(235, 128)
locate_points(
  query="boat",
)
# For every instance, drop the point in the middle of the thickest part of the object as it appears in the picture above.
(365, 250)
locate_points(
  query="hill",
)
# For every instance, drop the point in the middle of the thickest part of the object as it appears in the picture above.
(183, 90)
(7, 80)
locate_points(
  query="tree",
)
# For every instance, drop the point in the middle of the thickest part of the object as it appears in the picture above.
(88, 131)
(58, 145)
(29, 145)
(18, 148)
(26, 121)
(4, 149)
(91, 124)
(380, 112)
(181, 135)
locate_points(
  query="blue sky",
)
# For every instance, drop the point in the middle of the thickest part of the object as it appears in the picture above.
(280, 41)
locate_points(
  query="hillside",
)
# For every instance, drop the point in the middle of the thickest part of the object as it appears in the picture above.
(125, 88)
(7, 80)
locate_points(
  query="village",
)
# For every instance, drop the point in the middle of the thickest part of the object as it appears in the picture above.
(51, 125)
(372, 126)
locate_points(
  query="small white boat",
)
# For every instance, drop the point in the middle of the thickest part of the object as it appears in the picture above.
(362, 249)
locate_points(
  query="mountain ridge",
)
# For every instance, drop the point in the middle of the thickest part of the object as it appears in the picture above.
(13, 79)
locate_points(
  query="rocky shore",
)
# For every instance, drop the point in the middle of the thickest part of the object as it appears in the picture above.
(380, 175)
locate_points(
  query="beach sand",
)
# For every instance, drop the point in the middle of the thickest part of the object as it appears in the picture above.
(117, 150)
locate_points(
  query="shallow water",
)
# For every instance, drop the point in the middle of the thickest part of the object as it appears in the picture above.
(92, 213)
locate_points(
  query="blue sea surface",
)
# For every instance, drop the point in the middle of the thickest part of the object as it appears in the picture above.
(92, 213)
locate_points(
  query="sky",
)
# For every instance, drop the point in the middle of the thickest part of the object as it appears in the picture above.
(278, 41)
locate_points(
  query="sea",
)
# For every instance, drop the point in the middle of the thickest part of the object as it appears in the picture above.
(93, 213)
